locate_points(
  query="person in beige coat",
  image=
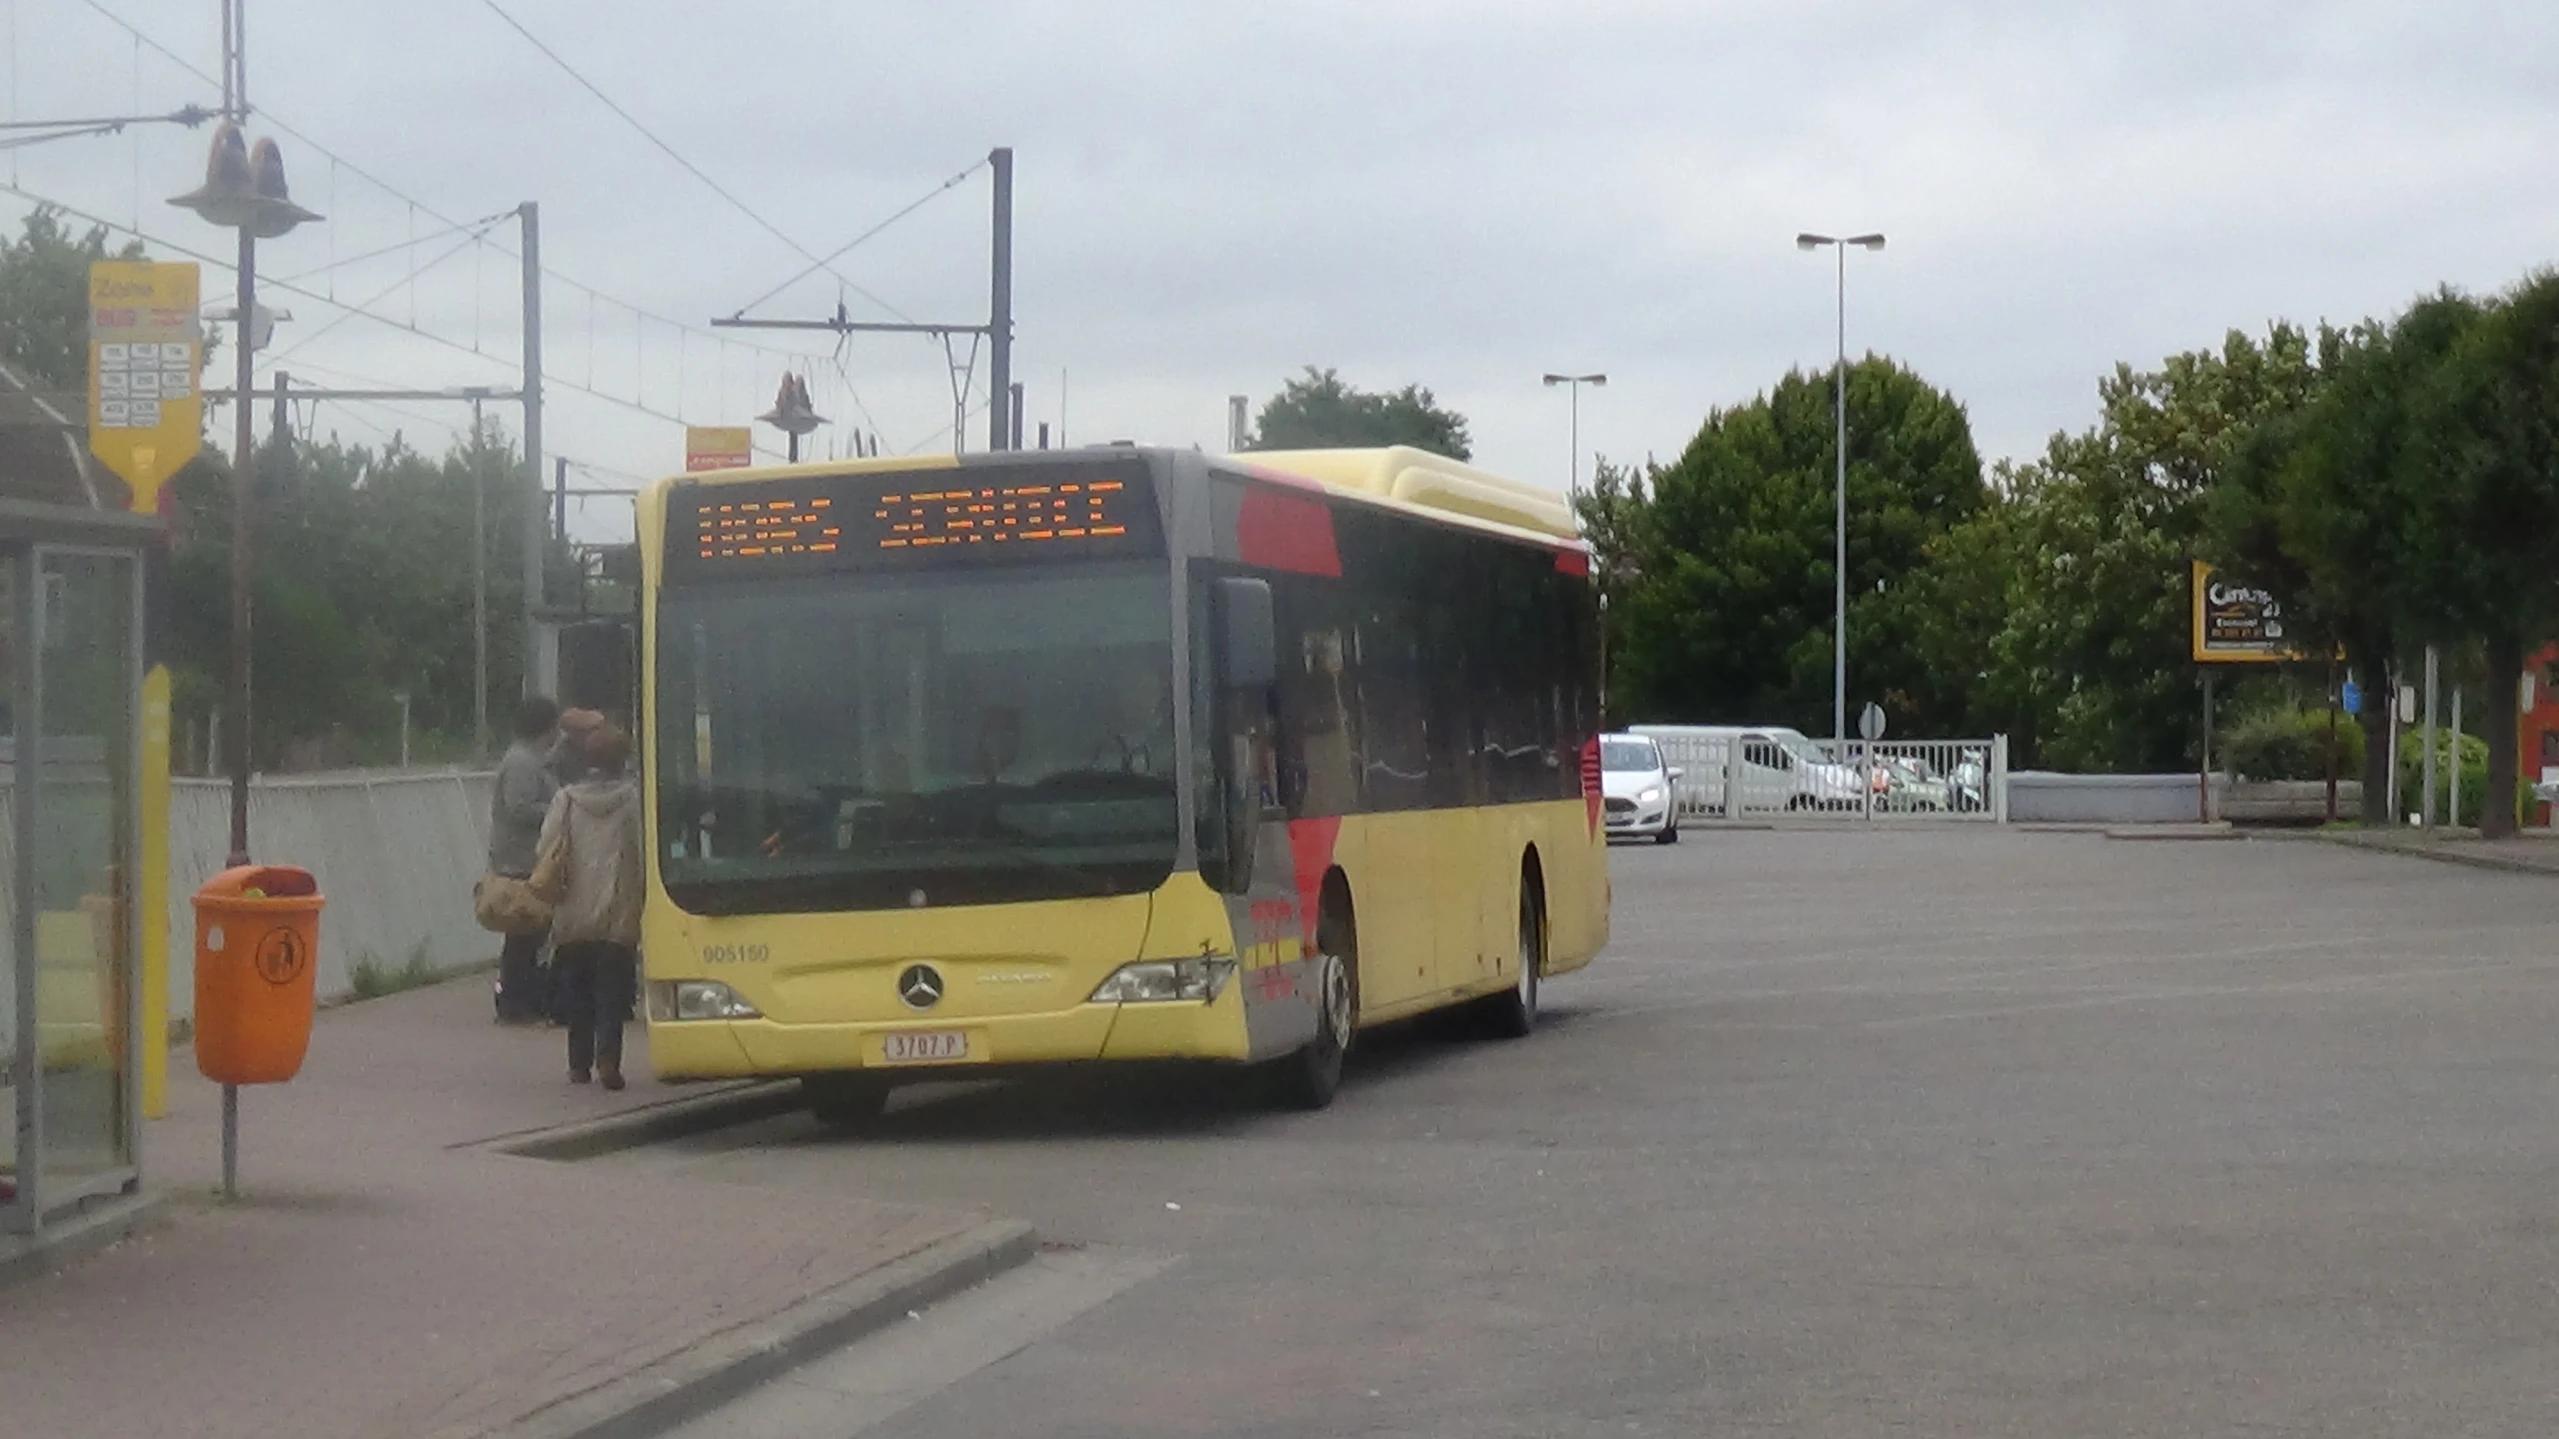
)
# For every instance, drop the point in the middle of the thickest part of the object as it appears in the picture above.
(590, 865)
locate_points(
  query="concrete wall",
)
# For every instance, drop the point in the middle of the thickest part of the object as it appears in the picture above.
(396, 853)
(2043, 796)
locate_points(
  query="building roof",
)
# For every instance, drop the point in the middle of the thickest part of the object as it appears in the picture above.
(44, 451)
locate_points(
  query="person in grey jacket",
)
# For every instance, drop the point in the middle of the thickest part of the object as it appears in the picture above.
(596, 920)
(547, 742)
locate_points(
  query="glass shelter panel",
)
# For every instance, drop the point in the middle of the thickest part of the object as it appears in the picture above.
(83, 871)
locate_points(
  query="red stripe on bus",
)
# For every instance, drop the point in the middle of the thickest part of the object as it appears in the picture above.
(1572, 562)
(1310, 846)
(1277, 531)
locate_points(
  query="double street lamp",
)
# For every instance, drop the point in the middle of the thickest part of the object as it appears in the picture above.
(243, 190)
(1839, 563)
(1576, 382)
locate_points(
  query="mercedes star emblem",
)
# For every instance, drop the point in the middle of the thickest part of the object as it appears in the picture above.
(920, 986)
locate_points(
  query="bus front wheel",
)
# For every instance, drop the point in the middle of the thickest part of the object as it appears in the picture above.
(1311, 1077)
(843, 1101)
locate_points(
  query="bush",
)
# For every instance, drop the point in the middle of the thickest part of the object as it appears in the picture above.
(370, 978)
(2291, 744)
(2474, 780)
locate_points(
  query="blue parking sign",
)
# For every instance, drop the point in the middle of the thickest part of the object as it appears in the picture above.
(2350, 698)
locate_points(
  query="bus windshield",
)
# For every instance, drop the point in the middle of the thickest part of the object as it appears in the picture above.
(921, 738)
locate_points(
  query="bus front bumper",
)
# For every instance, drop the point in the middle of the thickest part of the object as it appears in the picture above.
(743, 1048)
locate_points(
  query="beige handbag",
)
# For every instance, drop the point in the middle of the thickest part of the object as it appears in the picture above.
(506, 905)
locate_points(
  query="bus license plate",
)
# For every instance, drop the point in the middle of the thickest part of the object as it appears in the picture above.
(924, 1046)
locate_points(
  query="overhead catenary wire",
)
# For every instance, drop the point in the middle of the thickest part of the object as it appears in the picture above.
(340, 164)
(338, 161)
(840, 251)
(302, 342)
(410, 327)
(696, 171)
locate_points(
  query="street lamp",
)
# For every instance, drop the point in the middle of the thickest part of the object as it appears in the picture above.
(243, 190)
(1839, 563)
(1576, 382)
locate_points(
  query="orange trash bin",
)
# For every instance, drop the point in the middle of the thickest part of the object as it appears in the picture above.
(257, 960)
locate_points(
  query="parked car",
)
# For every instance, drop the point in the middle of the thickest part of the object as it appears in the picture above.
(1637, 789)
(1903, 784)
(1776, 769)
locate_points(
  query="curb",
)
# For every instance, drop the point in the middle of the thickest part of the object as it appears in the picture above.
(2220, 829)
(727, 1365)
(667, 1119)
(2444, 856)
(103, 1227)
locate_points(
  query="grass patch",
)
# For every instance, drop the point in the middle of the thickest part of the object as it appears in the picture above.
(373, 979)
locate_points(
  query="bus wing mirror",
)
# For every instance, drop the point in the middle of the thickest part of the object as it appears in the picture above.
(1248, 639)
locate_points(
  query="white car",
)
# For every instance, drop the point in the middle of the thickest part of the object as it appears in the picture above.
(1635, 788)
(1770, 767)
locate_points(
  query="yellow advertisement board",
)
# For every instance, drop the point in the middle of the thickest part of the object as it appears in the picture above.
(2237, 623)
(146, 357)
(718, 447)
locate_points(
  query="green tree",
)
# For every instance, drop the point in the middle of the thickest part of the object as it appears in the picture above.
(1609, 510)
(2093, 662)
(2483, 479)
(1319, 410)
(363, 591)
(44, 298)
(2341, 507)
(1730, 616)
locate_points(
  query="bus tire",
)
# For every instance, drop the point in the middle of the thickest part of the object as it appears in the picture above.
(1311, 1077)
(1512, 1014)
(843, 1101)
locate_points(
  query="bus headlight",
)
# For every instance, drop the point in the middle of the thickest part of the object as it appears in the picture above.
(1156, 980)
(697, 999)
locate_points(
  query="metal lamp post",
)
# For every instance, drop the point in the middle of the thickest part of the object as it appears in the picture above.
(243, 190)
(1839, 562)
(1576, 382)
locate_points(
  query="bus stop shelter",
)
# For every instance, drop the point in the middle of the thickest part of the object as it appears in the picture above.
(71, 831)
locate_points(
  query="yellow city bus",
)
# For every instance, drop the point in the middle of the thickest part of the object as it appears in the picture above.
(967, 767)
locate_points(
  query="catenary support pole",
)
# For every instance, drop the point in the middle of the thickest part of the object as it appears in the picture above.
(999, 320)
(2426, 742)
(534, 681)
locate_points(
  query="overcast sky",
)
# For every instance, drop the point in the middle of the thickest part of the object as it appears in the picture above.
(1460, 193)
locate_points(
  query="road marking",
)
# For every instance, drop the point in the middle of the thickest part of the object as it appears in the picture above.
(863, 1385)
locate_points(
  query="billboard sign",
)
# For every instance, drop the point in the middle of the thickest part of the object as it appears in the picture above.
(2237, 623)
(146, 356)
(718, 447)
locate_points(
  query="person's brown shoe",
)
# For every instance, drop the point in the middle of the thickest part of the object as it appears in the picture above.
(611, 1074)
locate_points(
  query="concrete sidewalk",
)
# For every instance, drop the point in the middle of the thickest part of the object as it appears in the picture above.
(2530, 851)
(391, 1270)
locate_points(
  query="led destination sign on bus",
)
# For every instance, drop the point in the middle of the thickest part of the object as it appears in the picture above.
(864, 521)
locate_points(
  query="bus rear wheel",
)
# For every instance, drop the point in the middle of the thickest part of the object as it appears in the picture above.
(1311, 1077)
(843, 1101)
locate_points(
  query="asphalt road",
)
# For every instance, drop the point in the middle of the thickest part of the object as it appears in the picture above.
(1948, 1131)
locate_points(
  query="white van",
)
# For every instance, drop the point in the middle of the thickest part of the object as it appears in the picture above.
(1778, 769)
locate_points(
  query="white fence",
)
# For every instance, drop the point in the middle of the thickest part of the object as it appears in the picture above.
(396, 853)
(1729, 772)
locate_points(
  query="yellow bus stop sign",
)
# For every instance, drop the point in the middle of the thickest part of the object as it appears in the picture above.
(146, 353)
